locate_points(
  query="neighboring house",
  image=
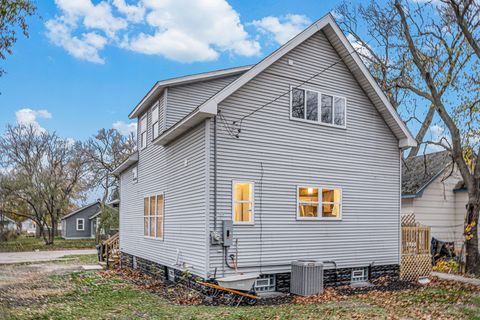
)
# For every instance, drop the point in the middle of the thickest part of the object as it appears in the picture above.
(315, 172)
(81, 223)
(7, 223)
(432, 189)
(29, 227)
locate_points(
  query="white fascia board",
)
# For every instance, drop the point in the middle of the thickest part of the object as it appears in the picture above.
(190, 121)
(160, 85)
(132, 159)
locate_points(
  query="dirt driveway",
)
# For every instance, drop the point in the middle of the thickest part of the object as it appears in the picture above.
(22, 284)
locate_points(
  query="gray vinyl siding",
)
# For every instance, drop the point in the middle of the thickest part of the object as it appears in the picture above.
(177, 170)
(185, 98)
(69, 225)
(363, 160)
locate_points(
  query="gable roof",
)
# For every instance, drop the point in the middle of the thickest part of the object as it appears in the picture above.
(418, 172)
(157, 89)
(80, 210)
(347, 54)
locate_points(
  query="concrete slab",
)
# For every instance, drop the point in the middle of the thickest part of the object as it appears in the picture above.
(92, 267)
(39, 256)
(454, 277)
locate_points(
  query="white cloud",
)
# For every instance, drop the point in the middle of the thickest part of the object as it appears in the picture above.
(188, 31)
(438, 135)
(86, 47)
(29, 117)
(181, 30)
(125, 128)
(282, 28)
(360, 48)
(134, 13)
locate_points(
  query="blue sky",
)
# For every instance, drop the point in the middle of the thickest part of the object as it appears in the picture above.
(87, 63)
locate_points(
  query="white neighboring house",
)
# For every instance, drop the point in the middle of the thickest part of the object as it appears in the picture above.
(432, 189)
(7, 223)
(29, 227)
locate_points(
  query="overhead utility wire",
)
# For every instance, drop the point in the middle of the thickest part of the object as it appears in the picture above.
(239, 130)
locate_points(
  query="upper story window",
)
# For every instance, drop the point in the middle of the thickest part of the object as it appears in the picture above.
(135, 174)
(80, 224)
(313, 106)
(155, 122)
(242, 202)
(319, 203)
(143, 132)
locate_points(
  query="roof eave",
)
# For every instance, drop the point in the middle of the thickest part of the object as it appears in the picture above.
(131, 160)
(160, 85)
(190, 121)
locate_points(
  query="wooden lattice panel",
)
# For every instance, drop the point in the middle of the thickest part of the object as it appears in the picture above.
(408, 220)
(415, 266)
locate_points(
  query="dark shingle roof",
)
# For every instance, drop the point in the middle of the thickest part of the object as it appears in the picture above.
(419, 171)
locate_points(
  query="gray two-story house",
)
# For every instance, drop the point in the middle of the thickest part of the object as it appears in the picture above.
(296, 157)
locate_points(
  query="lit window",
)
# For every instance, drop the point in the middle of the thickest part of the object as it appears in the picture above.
(153, 208)
(331, 199)
(80, 224)
(135, 174)
(154, 122)
(308, 202)
(319, 203)
(143, 132)
(243, 202)
(313, 106)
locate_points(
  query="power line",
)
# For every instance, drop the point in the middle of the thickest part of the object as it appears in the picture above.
(240, 122)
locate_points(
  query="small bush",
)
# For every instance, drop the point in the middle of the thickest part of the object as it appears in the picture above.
(447, 266)
(8, 235)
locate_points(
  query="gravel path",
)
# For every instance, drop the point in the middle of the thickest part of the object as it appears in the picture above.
(39, 256)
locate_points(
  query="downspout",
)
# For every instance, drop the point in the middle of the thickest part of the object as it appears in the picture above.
(215, 173)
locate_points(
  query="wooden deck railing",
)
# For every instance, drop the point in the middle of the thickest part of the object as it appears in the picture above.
(111, 250)
(416, 240)
(416, 257)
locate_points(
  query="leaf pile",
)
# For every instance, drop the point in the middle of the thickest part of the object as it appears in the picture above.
(175, 293)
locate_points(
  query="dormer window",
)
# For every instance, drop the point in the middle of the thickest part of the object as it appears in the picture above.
(307, 105)
(143, 132)
(154, 122)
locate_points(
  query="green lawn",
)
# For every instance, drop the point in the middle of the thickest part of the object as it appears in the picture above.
(23, 243)
(93, 296)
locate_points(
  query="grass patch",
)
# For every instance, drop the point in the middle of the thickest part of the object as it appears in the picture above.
(24, 243)
(90, 295)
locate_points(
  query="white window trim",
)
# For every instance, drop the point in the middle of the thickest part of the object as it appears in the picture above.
(156, 106)
(146, 131)
(241, 223)
(135, 171)
(149, 216)
(320, 203)
(83, 224)
(319, 120)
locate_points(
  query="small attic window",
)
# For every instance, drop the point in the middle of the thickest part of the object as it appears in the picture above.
(134, 174)
(316, 107)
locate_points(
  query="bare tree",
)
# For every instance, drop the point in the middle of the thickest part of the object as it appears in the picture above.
(439, 54)
(382, 51)
(105, 151)
(44, 174)
(466, 14)
(424, 51)
(13, 14)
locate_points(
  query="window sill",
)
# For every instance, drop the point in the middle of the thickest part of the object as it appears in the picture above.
(244, 223)
(318, 123)
(318, 219)
(153, 238)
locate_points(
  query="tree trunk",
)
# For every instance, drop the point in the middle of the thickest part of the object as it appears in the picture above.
(422, 132)
(471, 233)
